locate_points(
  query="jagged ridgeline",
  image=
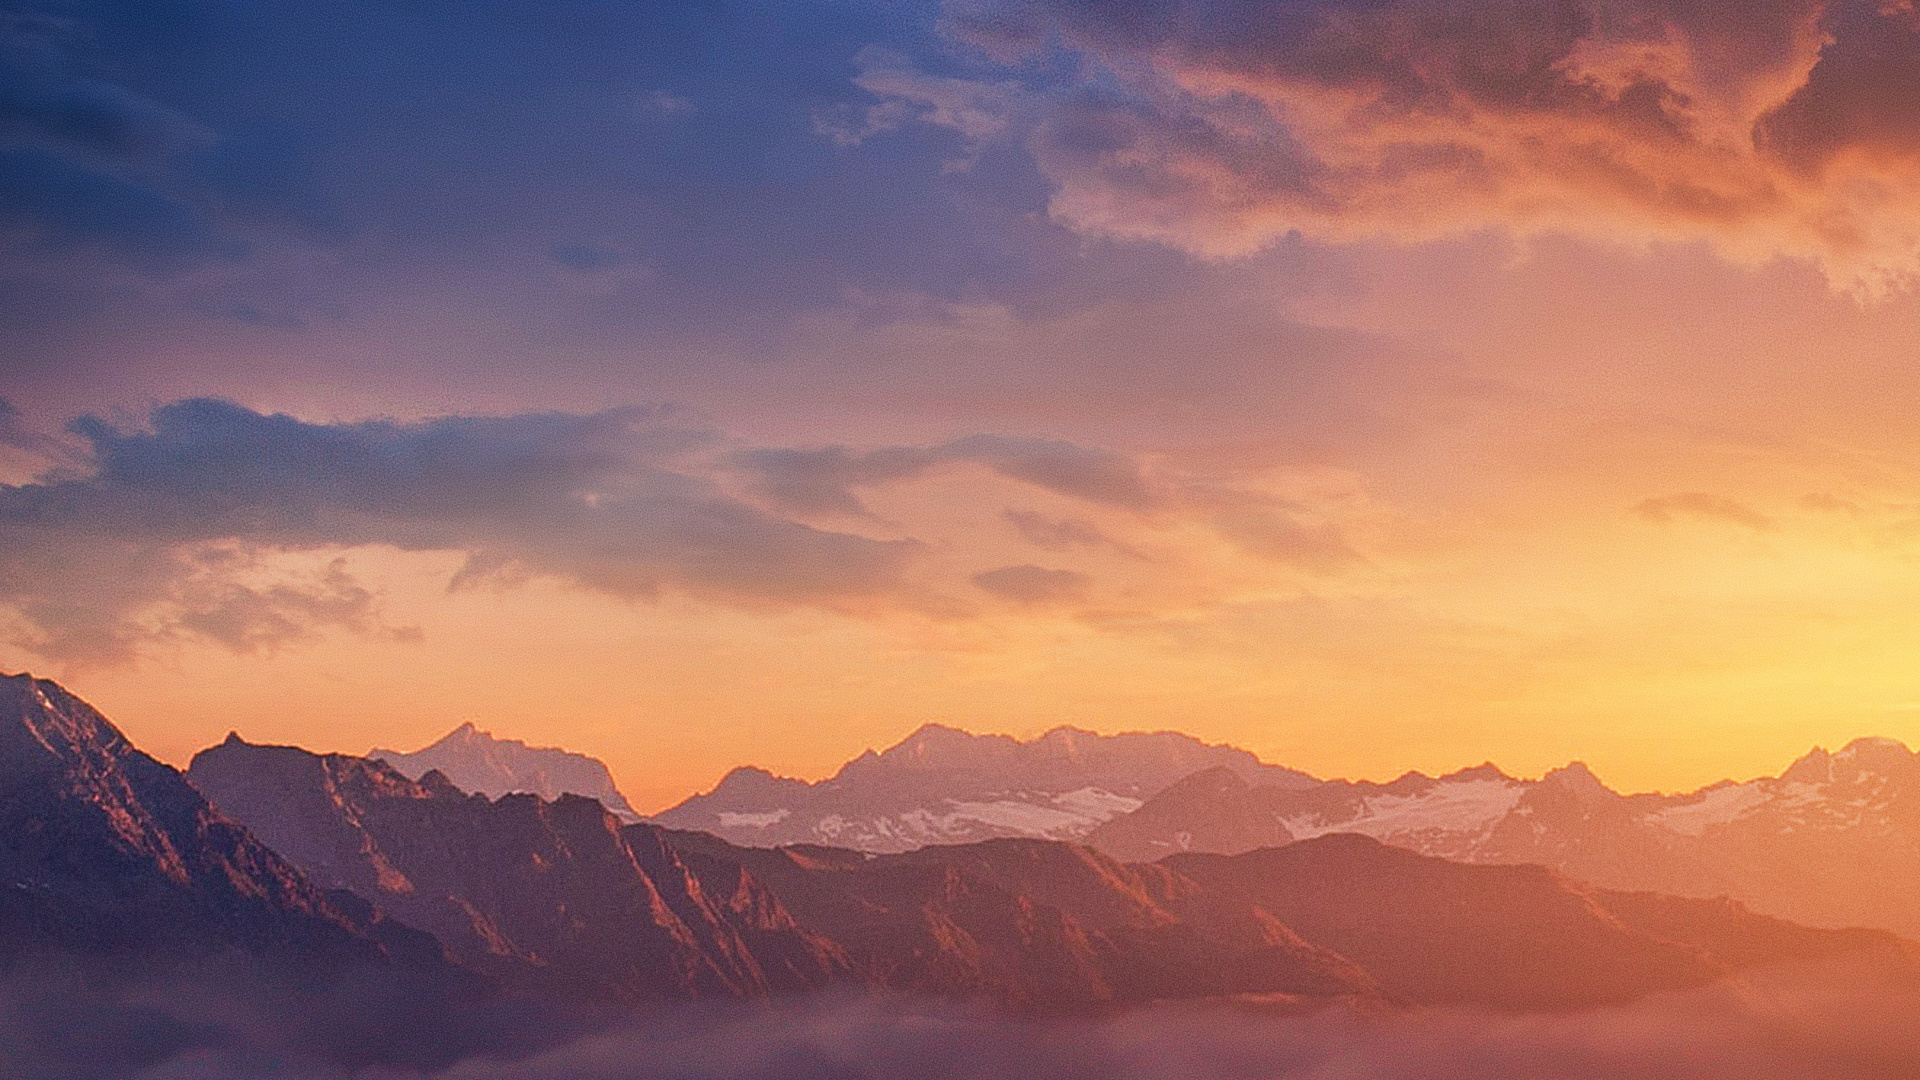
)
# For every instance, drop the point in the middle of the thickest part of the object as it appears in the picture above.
(1834, 840)
(315, 862)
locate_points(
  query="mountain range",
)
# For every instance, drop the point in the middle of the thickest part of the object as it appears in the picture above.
(1834, 840)
(315, 861)
(941, 785)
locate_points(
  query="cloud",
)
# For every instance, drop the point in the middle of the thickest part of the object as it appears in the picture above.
(1781, 128)
(15, 434)
(593, 499)
(822, 480)
(1029, 584)
(64, 205)
(248, 530)
(1703, 506)
(1061, 534)
(249, 619)
(1280, 530)
(1842, 1023)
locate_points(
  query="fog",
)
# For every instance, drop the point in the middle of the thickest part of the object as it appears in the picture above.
(1840, 1021)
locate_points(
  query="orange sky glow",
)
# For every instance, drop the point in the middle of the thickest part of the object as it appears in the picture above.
(1574, 431)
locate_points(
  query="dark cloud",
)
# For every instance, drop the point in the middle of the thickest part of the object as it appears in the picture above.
(1705, 506)
(1029, 584)
(593, 499)
(1781, 127)
(61, 205)
(823, 480)
(1861, 99)
(14, 433)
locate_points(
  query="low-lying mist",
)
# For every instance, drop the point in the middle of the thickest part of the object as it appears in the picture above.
(1841, 1021)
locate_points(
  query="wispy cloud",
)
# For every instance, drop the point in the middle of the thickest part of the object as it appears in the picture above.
(1702, 505)
(825, 479)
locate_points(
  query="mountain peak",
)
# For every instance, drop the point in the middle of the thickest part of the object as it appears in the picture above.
(1486, 770)
(475, 760)
(1574, 774)
(1814, 767)
(1873, 745)
(1877, 755)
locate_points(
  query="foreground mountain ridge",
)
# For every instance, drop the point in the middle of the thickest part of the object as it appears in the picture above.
(517, 885)
(106, 851)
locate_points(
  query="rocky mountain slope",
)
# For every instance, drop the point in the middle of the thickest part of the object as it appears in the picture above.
(518, 886)
(107, 854)
(1034, 921)
(941, 785)
(476, 761)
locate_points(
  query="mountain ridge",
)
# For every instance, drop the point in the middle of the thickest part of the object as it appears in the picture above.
(941, 784)
(519, 886)
(111, 853)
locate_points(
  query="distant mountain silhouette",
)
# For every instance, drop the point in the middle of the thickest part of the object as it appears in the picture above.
(943, 785)
(108, 854)
(518, 886)
(1832, 841)
(476, 761)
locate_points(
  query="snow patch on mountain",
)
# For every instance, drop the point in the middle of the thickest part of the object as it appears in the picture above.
(1703, 810)
(1466, 809)
(942, 785)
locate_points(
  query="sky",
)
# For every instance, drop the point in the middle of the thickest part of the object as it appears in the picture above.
(1374, 384)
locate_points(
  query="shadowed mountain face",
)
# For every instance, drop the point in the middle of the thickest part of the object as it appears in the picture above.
(553, 891)
(1033, 923)
(1833, 841)
(1044, 922)
(476, 761)
(1442, 933)
(106, 853)
(941, 785)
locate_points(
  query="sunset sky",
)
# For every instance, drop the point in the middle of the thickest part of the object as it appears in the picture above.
(1373, 384)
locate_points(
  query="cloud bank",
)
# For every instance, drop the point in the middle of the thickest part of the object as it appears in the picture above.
(1831, 1024)
(1779, 128)
(172, 513)
(212, 521)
